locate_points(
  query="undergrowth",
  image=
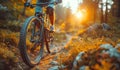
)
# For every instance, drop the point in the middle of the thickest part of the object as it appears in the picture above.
(88, 42)
(8, 49)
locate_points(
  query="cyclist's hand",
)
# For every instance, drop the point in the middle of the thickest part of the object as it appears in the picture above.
(26, 4)
(59, 1)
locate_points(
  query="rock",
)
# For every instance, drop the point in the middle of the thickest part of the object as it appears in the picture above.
(82, 68)
(117, 46)
(114, 53)
(105, 26)
(111, 50)
(3, 8)
(57, 67)
(77, 60)
(75, 65)
(54, 68)
(54, 63)
(93, 27)
(96, 30)
(106, 46)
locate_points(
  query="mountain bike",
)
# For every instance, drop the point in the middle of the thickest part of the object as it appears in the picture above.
(34, 36)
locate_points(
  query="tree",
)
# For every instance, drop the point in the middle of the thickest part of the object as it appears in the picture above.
(118, 11)
(116, 8)
(92, 8)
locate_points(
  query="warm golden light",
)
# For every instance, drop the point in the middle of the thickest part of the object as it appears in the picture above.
(79, 14)
(72, 4)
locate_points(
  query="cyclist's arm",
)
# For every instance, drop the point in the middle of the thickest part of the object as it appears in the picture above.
(28, 1)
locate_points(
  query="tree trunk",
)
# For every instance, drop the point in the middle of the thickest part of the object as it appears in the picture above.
(106, 13)
(102, 17)
(118, 11)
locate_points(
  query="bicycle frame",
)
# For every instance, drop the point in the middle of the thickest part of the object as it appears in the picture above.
(46, 24)
(34, 33)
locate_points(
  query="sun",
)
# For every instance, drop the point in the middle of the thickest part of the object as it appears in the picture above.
(79, 14)
(76, 10)
(74, 6)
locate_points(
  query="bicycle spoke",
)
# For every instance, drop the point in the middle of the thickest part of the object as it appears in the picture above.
(31, 41)
(35, 46)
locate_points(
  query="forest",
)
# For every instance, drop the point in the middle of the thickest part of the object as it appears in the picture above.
(86, 36)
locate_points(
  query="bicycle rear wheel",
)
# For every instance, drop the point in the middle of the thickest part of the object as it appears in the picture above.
(31, 41)
(48, 40)
(47, 34)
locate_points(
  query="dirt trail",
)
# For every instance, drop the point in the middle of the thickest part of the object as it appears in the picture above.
(45, 63)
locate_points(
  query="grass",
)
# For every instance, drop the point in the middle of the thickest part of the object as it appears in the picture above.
(9, 38)
(7, 54)
(89, 42)
(75, 46)
(78, 45)
(8, 47)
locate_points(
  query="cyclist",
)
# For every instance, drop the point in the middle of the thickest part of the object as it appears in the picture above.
(50, 10)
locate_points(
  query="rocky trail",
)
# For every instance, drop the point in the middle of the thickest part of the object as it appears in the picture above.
(49, 61)
(82, 51)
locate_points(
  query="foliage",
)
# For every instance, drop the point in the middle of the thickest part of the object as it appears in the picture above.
(8, 53)
(8, 37)
(90, 42)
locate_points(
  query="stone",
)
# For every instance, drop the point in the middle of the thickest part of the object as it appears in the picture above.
(114, 53)
(82, 68)
(3, 8)
(93, 27)
(57, 67)
(106, 46)
(54, 63)
(117, 46)
(77, 60)
(111, 50)
(54, 68)
(105, 26)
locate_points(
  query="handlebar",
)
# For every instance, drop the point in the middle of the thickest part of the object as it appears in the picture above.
(39, 4)
(42, 4)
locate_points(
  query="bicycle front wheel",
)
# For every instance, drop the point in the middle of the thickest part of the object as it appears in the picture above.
(31, 43)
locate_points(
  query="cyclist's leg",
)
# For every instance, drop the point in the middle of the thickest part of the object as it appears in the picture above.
(50, 11)
(38, 9)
